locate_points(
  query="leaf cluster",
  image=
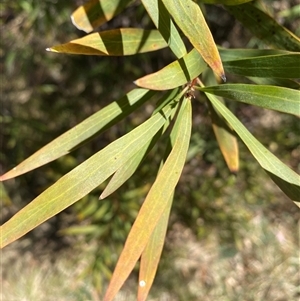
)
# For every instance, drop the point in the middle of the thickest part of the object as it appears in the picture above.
(268, 79)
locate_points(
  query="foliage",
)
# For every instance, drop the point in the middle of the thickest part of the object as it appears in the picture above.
(266, 79)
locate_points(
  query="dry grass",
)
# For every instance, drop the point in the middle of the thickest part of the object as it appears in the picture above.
(263, 265)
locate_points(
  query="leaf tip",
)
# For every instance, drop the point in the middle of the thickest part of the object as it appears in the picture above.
(8, 175)
(5, 177)
(234, 171)
(51, 49)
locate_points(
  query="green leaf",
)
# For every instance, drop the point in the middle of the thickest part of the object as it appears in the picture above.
(287, 180)
(175, 74)
(235, 54)
(265, 27)
(154, 204)
(189, 18)
(281, 66)
(128, 169)
(115, 42)
(281, 82)
(161, 19)
(269, 97)
(95, 124)
(82, 179)
(79, 230)
(97, 12)
(226, 139)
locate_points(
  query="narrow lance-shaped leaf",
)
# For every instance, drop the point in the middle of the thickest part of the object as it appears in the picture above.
(225, 136)
(152, 252)
(287, 180)
(97, 12)
(95, 124)
(154, 204)
(226, 139)
(115, 42)
(163, 22)
(175, 74)
(281, 82)
(82, 179)
(269, 97)
(188, 16)
(128, 169)
(281, 66)
(240, 53)
(265, 27)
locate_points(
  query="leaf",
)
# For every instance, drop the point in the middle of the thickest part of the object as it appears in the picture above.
(265, 27)
(128, 169)
(189, 18)
(235, 54)
(287, 180)
(281, 82)
(151, 254)
(175, 74)
(269, 97)
(115, 42)
(82, 179)
(154, 204)
(226, 139)
(97, 12)
(161, 19)
(281, 66)
(95, 124)
(82, 229)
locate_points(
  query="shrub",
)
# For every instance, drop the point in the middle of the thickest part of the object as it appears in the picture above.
(262, 77)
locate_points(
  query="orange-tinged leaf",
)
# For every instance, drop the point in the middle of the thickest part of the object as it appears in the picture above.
(154, 204)
(226, 139)
(188, 16)
(151, 255)
(97, 12)
(115, 42)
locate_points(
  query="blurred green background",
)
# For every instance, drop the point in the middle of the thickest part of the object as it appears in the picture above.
(231, 237)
